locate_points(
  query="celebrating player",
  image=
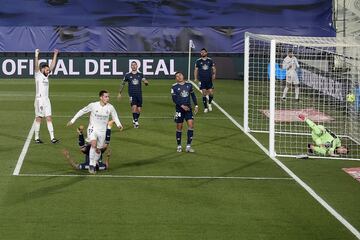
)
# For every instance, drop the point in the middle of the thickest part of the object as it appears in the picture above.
(181, 92)
(290, 63)
(326, 142)
(85, 149)
(134, 79)
(42, 102)
(99, 116)
(205, 72)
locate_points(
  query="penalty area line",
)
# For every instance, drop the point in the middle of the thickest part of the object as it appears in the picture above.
(24, 150)
(154, 176)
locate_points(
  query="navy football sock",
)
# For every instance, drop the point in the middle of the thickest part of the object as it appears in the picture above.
(204, 101)
(190, 134)
(81, 140)
(178, 138)
(135, 116)
(211, 98)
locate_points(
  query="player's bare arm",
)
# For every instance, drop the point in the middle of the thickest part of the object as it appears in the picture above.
(195, 74)
(121, 89)
(53, 62)
(146, 82)
(213, 73)
(36, 61)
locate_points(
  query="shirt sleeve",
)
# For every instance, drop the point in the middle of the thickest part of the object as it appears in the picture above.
(193, 96)
(173, 95)
(114, 116)
(83, 111)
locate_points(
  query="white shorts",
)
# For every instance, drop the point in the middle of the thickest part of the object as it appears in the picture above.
(292, 78)
(42, 107)
(97, 135)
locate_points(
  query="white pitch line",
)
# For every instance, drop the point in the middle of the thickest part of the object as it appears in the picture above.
(153, 177)
(327, 206)
(24, 150)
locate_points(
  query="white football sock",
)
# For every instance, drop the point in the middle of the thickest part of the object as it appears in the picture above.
(37, 130)
(51, 129)
(285, 92)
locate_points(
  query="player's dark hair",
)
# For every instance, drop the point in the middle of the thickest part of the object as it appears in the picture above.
(102, 92)
(204, 49)
(133, 62)
(177, 73)
(43, 65)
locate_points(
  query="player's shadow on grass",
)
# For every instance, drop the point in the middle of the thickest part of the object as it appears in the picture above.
(15, 196)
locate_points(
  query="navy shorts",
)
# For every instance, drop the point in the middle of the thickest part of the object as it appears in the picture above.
(181, 115)
(206, 85)
(136, 100)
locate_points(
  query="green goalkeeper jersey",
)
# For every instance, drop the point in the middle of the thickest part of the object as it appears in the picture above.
(326, 141)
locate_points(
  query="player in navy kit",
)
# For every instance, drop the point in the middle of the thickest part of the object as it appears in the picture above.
(205, 72)
(181, 92)
(103, 163)
(134, 79)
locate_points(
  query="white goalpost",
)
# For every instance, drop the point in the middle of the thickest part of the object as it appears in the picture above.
(326, 90)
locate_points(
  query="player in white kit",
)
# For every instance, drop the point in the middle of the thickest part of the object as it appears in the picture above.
(99, 117)
(42, 102)
(291, 64)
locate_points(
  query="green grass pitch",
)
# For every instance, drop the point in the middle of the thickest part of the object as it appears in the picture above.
(50, 200)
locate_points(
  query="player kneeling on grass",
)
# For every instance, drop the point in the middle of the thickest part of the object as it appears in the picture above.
(85, 149)
(326, 142)
(181, 92)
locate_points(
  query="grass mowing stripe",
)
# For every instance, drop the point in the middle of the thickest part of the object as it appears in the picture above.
(24, 150)
(333, 212)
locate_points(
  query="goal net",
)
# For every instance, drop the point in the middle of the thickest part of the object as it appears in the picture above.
(324, 87)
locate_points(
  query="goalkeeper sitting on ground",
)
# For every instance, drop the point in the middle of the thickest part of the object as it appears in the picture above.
(326, 142)
(85, 149)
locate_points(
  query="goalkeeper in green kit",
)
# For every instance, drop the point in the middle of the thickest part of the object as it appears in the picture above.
(326, 142)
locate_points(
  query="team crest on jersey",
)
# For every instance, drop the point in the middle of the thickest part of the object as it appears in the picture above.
(205, 67)
(184, 93)
(135, 81)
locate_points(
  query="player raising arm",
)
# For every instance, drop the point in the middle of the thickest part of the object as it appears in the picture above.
(42, 102)
(99, 116)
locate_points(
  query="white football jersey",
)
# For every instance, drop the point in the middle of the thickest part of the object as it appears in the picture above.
(290, 64)
(42, 85)
(99, 115)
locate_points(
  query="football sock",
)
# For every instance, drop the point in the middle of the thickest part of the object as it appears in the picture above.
(190, 134)
(107, 136)
(204, 101)
(51, 129)
(297, 91)
(136, 116)
(285, 92)
(37, 130)
(211, 98)
(178, 137)
(81, 140)
(93, 157)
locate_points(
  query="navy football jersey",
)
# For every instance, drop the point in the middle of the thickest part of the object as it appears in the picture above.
(204, 69)
(181, 94)
(134, 81)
